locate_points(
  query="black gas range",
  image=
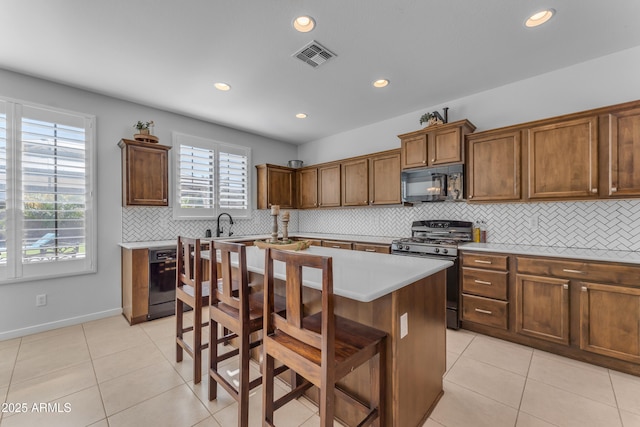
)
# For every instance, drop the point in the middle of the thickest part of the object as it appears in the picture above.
(439, 239)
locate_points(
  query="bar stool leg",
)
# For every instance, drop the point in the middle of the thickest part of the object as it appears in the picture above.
(179, 328)
(243, 389)
(267, 393)
(213, 357)
(197, 345)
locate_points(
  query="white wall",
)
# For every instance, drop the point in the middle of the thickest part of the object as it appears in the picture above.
(608, 80)
(80, 298)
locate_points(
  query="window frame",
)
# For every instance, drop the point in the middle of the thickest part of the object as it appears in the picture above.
(180, 213)
(15, 269)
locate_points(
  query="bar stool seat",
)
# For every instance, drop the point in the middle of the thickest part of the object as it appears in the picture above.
(193, 291)
(321, 347)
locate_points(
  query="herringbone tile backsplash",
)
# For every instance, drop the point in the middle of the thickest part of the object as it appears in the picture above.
(613, 225)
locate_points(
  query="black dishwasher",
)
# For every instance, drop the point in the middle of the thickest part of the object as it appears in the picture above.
(162, 283)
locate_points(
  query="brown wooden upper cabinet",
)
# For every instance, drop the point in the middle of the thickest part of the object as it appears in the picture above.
(276, 186)
(355, 182)
(145, 173)
(563, 159)
(620, 153)
(329, 186)
(373, 180)
(384, 178)
(307, 188)
(435, 145)
(494, 166)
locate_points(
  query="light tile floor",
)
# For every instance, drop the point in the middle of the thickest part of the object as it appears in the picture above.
(107, 373)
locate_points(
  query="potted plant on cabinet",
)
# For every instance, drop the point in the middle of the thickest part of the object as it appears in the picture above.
(144, 132)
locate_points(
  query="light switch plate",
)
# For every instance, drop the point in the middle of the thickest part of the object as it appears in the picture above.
(404, 325)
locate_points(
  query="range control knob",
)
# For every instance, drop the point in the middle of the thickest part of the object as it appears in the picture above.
(406, 247)
(445, 251)
(436, 250)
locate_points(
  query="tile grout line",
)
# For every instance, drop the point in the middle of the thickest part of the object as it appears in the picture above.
(104, 409)
(615, 397)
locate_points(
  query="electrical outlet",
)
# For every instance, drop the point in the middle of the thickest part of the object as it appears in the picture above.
(404, 325)
(41, 300)
(533, 222)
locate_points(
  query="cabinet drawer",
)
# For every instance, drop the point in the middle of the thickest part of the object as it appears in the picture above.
(487, 311)
(491, 261)
(486, 283)
(609, 273)
(336, 244)
(366, 247)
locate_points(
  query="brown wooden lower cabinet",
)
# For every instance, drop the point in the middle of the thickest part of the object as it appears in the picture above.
(135, 284)
(585, 310)
(542, 308)
(337, 244)
(610, 320)
(371, 247)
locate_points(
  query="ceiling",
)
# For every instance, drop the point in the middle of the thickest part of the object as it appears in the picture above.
(168, 53)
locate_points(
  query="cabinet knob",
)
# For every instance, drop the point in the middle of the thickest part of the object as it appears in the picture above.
(614, 189)
(424, 161)
(565, 286)
(365, 202)
(594, 190)
(433, 160)
(584, 289)
(471, 196)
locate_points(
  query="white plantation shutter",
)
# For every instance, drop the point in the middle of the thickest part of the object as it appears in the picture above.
(211, 178)
(46, 191)
(196, 177)
(3, 184)
(233, 172)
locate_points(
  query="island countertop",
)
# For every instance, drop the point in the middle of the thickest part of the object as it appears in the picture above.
(357, 275)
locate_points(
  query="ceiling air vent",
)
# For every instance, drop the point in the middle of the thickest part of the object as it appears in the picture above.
(314, 54)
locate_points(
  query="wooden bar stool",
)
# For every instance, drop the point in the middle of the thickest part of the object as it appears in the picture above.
(321, 347)
(194, 292)
(239, 311)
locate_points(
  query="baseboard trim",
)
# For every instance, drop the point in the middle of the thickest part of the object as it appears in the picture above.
(43, 327)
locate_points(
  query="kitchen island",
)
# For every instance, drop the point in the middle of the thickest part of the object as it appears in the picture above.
(404, 296)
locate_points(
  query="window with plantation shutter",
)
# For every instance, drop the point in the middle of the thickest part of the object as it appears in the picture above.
(212, 178)
(46, 192)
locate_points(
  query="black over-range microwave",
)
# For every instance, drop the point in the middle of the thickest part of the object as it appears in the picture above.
(437, 184)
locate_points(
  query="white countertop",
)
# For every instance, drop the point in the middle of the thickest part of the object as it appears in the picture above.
(361, 276)
(629, 257)
(161, 244)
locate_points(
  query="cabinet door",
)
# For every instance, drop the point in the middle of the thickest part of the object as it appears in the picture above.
(563, 160)
(280, 187)
(445, 146)
(495, 168)
(146, 182)
(620, 133)
(308, 188)
(542, 308)
(610, 320)
(384, 179)
(414, 151)
(329, 186)
(355, 183)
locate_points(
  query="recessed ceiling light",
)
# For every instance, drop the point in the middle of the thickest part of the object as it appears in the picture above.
(304, 24)
(380, 83)
(301, 115)
(539, 18)
(222, 86)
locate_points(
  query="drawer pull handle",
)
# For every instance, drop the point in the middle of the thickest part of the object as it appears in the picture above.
(481, 261)
(479, 310)
(568, 270)
(336, 246)
(482, 282)
(369, 250)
